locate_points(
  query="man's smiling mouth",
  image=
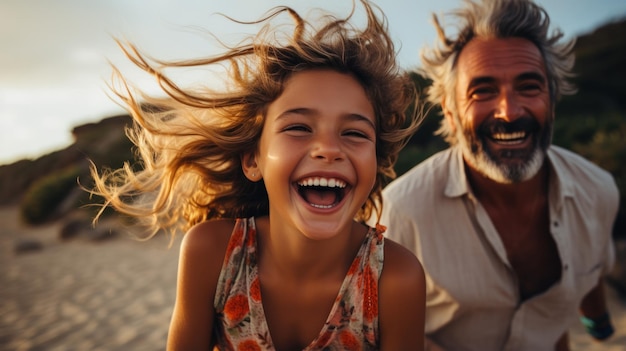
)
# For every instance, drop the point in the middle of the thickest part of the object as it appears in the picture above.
(511, 134)
(509, 138)
(321, 192)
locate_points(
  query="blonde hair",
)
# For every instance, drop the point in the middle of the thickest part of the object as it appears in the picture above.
(495, 19)
(190, 144)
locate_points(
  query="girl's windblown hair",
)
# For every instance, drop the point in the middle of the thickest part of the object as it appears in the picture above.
(190, 144)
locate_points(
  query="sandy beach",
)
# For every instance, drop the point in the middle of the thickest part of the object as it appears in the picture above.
(117, 294)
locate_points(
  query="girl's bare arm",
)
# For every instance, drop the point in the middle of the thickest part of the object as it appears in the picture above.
(201, 256)
(402, 304)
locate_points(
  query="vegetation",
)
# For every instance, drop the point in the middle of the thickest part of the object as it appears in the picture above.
(46, 194)
(48, 187)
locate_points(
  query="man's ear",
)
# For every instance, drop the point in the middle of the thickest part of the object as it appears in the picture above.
(448, 115)
(250, 167)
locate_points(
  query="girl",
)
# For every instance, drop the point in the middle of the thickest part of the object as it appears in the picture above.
(273, 180)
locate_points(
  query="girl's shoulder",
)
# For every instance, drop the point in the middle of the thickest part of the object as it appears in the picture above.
(211, 230)
(402, 299)
(201, 255)
(401, 264)
(205, 243)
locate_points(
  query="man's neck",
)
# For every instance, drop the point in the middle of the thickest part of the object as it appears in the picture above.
(499, 194)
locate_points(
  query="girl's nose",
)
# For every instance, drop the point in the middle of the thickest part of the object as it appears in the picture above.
(327, 148)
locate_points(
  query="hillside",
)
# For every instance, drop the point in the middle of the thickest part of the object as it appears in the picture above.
(103, 142)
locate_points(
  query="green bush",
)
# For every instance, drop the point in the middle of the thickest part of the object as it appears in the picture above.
(47, 193)
(411, 155)
(608, 150)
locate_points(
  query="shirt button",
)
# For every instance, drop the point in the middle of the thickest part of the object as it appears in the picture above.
(565, 267)
(555, 223)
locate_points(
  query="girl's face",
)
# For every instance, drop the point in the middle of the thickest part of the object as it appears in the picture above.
(317, 153)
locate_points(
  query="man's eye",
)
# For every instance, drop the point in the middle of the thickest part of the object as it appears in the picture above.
(482, 93)
(531, 89)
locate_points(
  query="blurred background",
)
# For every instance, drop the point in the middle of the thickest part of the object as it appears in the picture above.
(64, 282)
(55, 55)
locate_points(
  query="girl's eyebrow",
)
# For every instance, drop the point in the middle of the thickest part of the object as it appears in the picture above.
(299, 111)
(357, 117)
(311, 112)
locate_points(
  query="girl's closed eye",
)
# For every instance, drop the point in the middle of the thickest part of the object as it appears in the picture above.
(359, 134)
(296, 129)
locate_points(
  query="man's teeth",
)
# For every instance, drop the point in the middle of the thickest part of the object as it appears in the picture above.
(320, 181)
(509, 138)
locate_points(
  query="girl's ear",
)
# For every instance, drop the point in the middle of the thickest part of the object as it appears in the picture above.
(250, 167)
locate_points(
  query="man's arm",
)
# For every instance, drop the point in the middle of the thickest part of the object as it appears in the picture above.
(563, 343)
(430, 345)
(595, 315)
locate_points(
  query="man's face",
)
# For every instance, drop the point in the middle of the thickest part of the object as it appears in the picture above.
(503, 116)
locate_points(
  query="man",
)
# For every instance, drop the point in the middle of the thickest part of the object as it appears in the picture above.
(514, 233)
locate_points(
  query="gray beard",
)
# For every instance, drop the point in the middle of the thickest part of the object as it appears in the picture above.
(478, 156)
(504, 173)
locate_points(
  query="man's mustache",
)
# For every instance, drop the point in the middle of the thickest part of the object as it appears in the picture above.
(496, 125)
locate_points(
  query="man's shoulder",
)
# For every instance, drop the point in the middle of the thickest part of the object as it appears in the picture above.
(583, 179)
(423, 176)
(574, 166)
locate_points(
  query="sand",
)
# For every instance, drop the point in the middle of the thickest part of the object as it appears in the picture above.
(117, 294)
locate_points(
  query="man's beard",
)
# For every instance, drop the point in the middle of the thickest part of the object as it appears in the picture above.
(508, 165)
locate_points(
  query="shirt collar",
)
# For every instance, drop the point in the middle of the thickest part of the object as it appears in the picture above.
(560, 181)
(456, 184)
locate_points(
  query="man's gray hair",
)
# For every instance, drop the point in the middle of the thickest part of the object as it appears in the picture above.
(496, 19)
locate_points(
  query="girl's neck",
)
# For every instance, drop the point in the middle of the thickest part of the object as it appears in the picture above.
(293, 256)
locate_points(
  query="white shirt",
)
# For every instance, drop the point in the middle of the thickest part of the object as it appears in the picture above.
(472, 299)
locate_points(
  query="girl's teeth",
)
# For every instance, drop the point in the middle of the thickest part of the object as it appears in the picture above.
(319, 181)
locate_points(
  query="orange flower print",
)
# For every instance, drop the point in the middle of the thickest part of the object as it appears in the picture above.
(251, 238)
(380, 229)
(370, 294)
(255, 290)
(248, 345)
(236, 308)
(355, 265)
(349, 341)
(235, 241)
(325, 338)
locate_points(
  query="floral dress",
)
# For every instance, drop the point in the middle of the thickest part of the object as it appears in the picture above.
(353, 320)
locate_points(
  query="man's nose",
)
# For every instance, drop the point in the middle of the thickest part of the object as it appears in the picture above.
(508, 107)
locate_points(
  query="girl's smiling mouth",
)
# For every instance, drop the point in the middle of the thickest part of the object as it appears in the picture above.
(322, 192)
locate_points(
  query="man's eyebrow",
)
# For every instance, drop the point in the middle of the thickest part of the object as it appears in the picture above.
(480, 80)
(524, 76)
(532, 76)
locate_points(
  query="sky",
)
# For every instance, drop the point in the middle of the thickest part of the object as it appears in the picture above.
(56, 56)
